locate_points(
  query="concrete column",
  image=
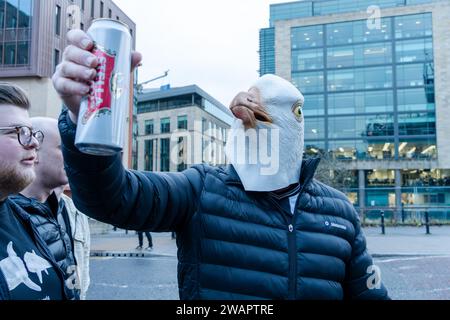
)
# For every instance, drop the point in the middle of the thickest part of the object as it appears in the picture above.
(362, 190)
(398, 196)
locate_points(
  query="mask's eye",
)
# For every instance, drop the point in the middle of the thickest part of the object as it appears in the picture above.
(297, 109)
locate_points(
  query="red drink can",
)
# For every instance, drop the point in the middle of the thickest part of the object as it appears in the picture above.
(102, 118)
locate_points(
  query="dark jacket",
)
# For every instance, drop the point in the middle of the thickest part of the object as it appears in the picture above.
(232, 244)
(31, 233)
(52, 223)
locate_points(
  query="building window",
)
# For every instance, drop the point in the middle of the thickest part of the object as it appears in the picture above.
(82, 4)
(415, 99)
(359, 55)
(309, 82)
(165, 155)
(117, 18)
(10, 53)
(165, 125)
(361, 150)
(360, 79)
(314, 128)
(25, 7)
(23, 53)
(149, 127)
(58, 21)
(357, 32)
(411, 75)
(82, 26)
(361, 126)
(92, 8)
(109, 13)
(417, 123)
(414, 50)
(360, 102)
(102, 8)
(56, 57)
(11, 14)
(148, 155)
(413, 26)
(417, 149)
(307, 59)
(307, 37)
(182, 123)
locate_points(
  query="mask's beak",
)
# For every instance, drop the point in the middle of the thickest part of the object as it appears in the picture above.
(250, 116)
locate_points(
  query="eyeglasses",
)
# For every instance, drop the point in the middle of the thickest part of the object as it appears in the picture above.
(25, 135)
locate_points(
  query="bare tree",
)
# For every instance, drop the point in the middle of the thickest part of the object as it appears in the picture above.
(332, 172)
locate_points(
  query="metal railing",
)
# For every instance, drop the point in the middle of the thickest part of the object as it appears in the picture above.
(426, 216)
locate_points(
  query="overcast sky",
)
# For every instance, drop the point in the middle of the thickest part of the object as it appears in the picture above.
(210, 43)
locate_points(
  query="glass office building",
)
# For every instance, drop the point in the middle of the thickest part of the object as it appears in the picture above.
(15, 32)
(370, 94)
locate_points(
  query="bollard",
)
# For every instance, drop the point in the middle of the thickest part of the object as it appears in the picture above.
(427, 222)
(383, 231)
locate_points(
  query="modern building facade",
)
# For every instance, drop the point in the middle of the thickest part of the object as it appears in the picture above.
(33, 38)
(180, 127)
(375, 77)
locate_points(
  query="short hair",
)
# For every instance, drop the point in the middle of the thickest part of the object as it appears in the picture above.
(13, 95)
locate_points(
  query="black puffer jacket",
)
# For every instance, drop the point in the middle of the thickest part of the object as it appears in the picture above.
(52, 223)
(232, 244)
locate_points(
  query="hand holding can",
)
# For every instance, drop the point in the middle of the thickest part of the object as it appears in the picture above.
(77, 68)
(102, 117)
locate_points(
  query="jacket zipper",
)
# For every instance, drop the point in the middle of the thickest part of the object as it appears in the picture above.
(292, 245)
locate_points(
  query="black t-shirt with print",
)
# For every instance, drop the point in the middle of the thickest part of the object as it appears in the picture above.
(28, 275)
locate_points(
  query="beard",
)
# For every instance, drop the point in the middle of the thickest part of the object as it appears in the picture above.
(14, 179)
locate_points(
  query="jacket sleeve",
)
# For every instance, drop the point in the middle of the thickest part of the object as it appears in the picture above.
(363, 278)
(105, 191)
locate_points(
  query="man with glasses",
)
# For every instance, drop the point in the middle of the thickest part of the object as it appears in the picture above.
(42, 199)
(27, 268)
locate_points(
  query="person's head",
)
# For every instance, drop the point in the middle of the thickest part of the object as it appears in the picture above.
(272, 158)
(50, 173)
(18, 141)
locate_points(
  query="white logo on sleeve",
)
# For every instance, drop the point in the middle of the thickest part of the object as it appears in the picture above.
(16, 272)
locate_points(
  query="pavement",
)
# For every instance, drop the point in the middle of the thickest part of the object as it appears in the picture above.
(398, 241)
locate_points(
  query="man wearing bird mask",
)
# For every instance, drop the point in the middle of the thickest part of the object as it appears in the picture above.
(250, 230)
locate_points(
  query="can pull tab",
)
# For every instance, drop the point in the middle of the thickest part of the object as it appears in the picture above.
(291, 228)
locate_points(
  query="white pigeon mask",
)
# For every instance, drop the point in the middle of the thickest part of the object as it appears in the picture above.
(269, 157)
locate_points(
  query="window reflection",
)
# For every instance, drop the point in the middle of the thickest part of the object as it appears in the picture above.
(425, 178)
(411, 75)
(417, 123)
(417, 149)
(413, 100)
(15, 24)
(307, 37)
(361, 102)
(314, 149)
(414, 50)
(361, 126)
(314, 105)
(314, 128)
(309, 81)
(356, 31)
(359, 55)
(380, 178)
(307, 60)
(410, 26)
(364, 78)
(360, 150)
